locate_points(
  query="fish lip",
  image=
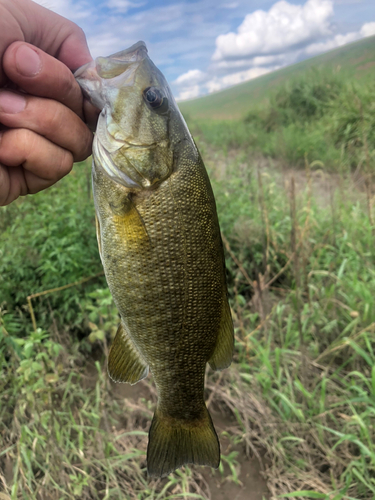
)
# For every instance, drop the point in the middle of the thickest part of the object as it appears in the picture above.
(88, 68)
(90, 76)
(138, 49)
(126, 61)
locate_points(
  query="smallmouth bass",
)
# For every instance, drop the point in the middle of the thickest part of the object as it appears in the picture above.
(160, 246)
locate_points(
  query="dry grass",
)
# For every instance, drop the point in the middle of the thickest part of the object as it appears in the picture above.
(299, 397)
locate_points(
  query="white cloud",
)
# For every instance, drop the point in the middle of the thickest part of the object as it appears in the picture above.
(122, 5)
(265, 41)
(347, 2)
(74, 10)
(195, 82)
(106, 44)
(368, 29)
(333, 43)
(269, 60)
(182, 35)
(189, 93)
(191, 84)
(219, 83)
(191, 77)
(284, 26)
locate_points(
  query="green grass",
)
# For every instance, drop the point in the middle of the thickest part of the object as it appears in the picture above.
(300, 394)
(54, 235)
(317, 115)
(301, 390)
(353, 61)
(306, 347)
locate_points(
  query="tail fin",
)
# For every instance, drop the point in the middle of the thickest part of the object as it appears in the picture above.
(176, 442)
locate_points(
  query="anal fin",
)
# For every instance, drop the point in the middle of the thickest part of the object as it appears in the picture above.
(223, 353)
(124, 361)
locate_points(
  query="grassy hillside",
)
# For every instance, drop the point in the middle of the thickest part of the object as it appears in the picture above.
(356, 60)
(324, 113)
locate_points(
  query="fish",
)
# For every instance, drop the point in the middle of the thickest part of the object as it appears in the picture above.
(160, 245)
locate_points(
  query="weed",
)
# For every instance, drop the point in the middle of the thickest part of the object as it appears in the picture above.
(300, 394)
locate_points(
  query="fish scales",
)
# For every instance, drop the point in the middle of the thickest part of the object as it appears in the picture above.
(171, 270)
(161, 250)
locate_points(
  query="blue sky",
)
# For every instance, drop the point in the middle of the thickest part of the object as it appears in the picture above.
(203, 46)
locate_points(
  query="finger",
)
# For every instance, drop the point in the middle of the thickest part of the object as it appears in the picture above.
(37, 155)
(12, 184)
(53, 33)
(40, 74)
(10, 32)
(48, 118)
(15, 182)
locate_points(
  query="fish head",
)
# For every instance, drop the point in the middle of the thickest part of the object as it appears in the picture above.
(132, 141)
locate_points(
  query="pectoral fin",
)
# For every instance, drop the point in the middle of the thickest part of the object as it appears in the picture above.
(129, 223)
(125, 363)
(222, 356)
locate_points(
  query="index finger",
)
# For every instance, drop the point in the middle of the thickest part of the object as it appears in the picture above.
(40, 74)
(25, 20)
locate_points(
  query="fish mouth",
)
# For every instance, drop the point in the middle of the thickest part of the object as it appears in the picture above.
(105, 67)
(136, 53)
(117, 70)
(87, 71)
(115, 65)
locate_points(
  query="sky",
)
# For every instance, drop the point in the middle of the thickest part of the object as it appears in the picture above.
(203, 46)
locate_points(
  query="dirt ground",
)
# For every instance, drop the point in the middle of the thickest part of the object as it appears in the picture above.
(324, 185)
(251, 484)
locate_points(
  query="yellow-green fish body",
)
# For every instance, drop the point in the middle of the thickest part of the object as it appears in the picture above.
(160, 245)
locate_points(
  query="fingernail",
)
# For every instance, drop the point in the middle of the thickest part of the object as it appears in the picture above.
(11, 103)
(28, 62)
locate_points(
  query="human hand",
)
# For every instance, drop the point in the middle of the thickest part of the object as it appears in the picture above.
(42, 131)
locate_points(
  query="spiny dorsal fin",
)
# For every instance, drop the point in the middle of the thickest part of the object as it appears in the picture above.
(125, 363)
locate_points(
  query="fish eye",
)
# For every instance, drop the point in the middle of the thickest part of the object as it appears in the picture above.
(153, 97)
